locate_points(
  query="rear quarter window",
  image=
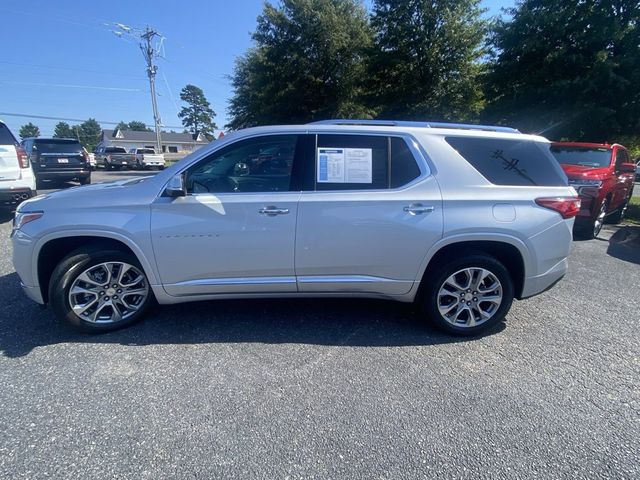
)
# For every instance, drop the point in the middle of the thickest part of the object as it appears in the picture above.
(6, 137)
(511, 162)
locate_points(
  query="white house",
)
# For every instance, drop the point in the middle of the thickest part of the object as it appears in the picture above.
(172, 142)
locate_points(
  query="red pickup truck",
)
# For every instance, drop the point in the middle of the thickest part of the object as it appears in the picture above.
(603, 176)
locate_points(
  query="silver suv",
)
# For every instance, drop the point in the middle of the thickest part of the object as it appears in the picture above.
(460, 219)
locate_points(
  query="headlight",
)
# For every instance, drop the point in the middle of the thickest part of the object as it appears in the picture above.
(585, 183)
(22, 218)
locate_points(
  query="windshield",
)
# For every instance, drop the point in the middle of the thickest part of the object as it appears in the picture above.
(146, 151)
(115, 150)
(57, 146)
(584, 156)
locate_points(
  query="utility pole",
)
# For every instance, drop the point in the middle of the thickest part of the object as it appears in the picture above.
(150, 52)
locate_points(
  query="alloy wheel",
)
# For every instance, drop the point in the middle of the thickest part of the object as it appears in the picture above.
(599, 221)
(108, 292)
(470, 297)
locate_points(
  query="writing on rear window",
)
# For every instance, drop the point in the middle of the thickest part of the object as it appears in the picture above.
(510, 162)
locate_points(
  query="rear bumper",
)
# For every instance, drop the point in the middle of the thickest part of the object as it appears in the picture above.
(14, 196)
(63, 174)
(541, 283)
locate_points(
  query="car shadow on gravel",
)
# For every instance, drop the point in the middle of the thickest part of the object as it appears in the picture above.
(6, 216)
(332, 322)
(624, 244)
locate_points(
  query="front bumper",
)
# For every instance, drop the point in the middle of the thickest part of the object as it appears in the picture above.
(33, 293)
(14, 196)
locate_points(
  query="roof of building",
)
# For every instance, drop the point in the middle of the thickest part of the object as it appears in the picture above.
(138, 136)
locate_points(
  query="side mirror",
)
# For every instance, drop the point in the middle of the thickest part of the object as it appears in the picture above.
(627, 168)
(175, 187)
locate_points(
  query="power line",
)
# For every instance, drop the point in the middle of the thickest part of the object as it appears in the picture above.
(71, 69)
(44, 117)
(64, 85)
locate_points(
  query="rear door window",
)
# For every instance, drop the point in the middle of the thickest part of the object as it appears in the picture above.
(6, 137)
(404, 168)
(511, 162)
(352, 162)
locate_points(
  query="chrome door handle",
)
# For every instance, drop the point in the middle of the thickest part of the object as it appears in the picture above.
(272, 211)
(418, 209)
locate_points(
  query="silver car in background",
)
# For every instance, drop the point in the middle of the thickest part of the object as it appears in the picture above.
(460, 219)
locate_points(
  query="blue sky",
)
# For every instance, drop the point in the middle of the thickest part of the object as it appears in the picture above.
(60, 59)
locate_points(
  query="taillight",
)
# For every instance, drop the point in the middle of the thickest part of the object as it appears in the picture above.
(567, 207)
(23, 158)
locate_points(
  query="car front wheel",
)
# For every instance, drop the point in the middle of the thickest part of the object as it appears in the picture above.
(469, 295)
(99, 290)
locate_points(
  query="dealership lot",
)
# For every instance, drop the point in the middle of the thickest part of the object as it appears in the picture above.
(331, 389)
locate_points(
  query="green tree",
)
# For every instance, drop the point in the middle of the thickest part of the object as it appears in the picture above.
(138, 126)
(426, 62)
(29, 130)
(134, 125)
(308, 63)
(197, 116)
(89, 133)
(568, 69)
(63, 130)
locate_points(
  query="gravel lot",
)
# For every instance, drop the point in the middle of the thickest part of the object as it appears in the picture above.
(331, 389)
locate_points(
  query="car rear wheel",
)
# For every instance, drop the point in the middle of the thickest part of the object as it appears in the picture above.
(468, 296)
(85, 180)
(99, 291)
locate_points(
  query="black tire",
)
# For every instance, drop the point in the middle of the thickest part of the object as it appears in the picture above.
(619, 214)
(591, 229)
(85, 180)
(71, 267)
(436, 279)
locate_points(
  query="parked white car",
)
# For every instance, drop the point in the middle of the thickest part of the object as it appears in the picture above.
(17, 181)
(148, 158)
(460, 219)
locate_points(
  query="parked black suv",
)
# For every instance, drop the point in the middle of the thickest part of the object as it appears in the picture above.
(59, 159)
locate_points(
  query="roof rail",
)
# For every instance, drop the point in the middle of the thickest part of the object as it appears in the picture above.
(403, 123)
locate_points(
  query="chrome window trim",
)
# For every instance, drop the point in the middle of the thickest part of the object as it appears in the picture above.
(426, 166)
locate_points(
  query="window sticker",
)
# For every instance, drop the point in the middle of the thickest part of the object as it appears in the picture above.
(345, 165)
